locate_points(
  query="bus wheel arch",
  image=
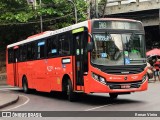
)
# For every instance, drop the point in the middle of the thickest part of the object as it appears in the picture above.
(67, 87)
(25, 84)
(65, 82)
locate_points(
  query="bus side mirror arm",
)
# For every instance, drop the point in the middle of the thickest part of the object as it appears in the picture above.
(90, 45)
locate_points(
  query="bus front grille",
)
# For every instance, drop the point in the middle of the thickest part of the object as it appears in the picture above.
(122, 70)
(126, 85)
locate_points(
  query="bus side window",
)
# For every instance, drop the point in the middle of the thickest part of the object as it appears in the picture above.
(31, 51)
(34, 49)
(49, 47)
(52, 47)
(20, 53)
(41, 49)
(10, 55)
(24, 52)
(64, 44)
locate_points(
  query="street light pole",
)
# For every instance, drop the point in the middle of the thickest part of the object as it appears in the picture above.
(40, 2)
(75, 9)
(34, 3)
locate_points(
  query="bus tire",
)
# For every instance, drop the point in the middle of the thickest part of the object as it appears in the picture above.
(25, 85)
(71, 95)
(113, 95)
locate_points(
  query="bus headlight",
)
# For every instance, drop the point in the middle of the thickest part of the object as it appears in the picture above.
(102, 80)
(144, 78)
(99, 78)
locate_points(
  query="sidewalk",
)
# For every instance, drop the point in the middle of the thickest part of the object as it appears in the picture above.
(6, 98)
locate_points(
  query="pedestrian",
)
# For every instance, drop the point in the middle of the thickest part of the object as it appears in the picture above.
(150, 71)
(156, 66)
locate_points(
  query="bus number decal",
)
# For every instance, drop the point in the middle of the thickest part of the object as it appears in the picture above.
(49, 68)
(102, 25)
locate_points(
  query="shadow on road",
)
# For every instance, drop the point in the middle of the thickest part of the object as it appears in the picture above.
(89, 99)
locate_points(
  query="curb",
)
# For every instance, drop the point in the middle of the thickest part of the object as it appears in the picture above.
(9, 103)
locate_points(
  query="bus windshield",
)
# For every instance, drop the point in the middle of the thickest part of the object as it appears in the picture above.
(118, 49)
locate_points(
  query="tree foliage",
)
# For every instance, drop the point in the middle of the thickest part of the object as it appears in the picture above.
(102, 7)
(18, 11)
(19, 19)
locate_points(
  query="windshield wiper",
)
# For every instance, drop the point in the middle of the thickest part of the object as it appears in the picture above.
(140, 59)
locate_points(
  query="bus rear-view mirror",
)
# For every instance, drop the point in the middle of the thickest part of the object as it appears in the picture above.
(90, 46)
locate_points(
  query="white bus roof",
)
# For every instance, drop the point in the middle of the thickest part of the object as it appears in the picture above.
(49, 33)
(72, 27)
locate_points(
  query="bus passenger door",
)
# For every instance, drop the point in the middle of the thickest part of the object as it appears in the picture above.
(15, 66)
(81, 57)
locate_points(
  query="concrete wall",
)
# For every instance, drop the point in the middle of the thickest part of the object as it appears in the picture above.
(114, 8)
(135, 6)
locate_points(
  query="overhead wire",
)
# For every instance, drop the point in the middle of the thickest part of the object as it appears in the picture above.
(37, 21)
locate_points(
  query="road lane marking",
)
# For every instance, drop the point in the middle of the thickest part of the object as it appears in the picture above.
(98, 107)
(4, 86)
(7, 87)
(28, 99)
(10, 89)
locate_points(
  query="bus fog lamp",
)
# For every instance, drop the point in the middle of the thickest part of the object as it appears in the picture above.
(102, 80)
(144, 78)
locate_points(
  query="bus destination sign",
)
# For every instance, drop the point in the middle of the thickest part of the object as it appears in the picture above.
(117, 25)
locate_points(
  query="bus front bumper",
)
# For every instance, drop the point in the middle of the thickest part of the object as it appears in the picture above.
(97, 87)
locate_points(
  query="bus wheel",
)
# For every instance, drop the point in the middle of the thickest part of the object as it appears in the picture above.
(70, 93)
(25, 85)
(113, 95)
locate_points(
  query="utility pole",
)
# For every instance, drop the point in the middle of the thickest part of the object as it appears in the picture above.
(89, 9)
(104, 9)
(96, 8)
(75, 9)
(34, 4)
(40, 2)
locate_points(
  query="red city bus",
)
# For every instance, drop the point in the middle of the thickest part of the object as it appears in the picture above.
(95, 56)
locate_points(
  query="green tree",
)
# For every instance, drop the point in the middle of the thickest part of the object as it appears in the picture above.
(18, 20)
(18, 11)
(102, 7)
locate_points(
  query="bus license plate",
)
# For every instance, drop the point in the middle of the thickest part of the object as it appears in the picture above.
(125, 86)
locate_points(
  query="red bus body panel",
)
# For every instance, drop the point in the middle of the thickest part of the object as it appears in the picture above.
(47, 74)
(95, 86)
(42, 75)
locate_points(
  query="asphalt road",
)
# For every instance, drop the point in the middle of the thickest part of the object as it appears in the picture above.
(38, 101)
